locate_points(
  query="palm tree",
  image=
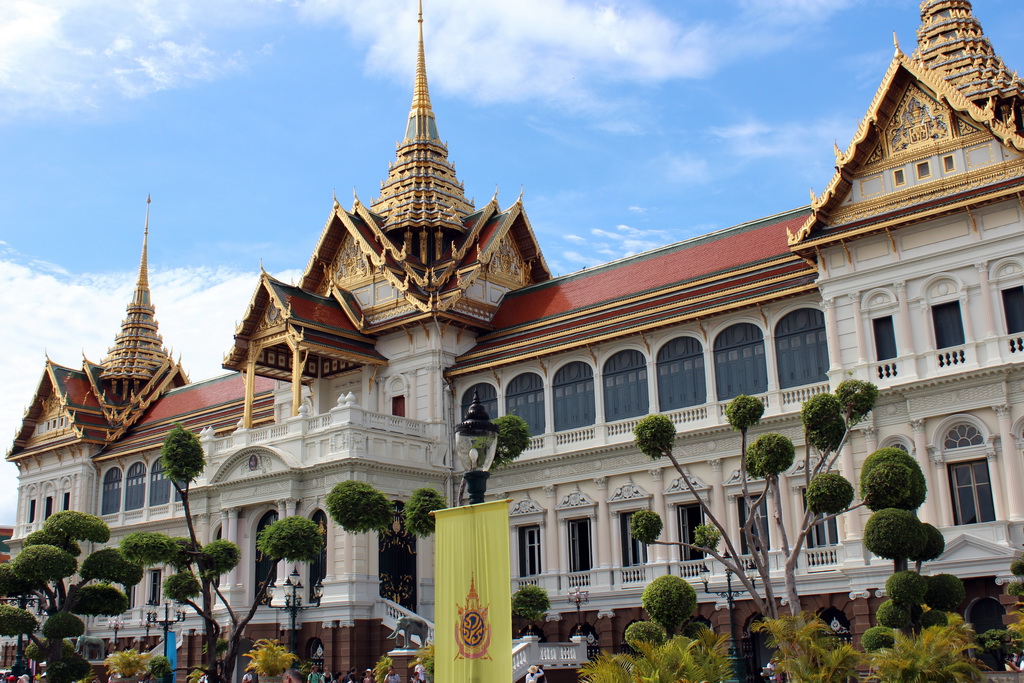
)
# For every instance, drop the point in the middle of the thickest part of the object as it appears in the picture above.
(809, 651)
(937, 655)
(703, 658)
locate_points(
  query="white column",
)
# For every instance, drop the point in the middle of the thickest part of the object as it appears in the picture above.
(927, 326)
(553, 561)
(670, 532)
(850, 520)
(1011, 464)
(965, 315)
(652, 384)
(906, 329)
(772, 359)
(229, 531)
(835, 358)
(940, 479)
(282, 566)
(997, 475)
(717, 502)
(928, 511)
(605, 536)
(987, 311)
(774, 533)
(787, 511)
(858, 327)
(598, 395)
(331, 542)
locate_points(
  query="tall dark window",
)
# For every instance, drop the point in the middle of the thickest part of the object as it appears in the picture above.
(885, 338)
(573, 390)
(398, 405)
(1013, 307)
(265, 566)
(47, 507)
(135, 487)
(32, 511)
(801, 348)
(525, 398)
(739, 362)
(318, 567)
(949, 326)
(579, 545)
(633, 551)
(625, 386)
(111, 492)
(529, 550)
(760, 526)
(972, 492)
(823, 533)
(155, 587)
(681, 379)
(691, 516)
(159, 485)
(488, 396)
(66, 501)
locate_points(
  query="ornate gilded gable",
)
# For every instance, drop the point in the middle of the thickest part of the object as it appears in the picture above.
(919, 120)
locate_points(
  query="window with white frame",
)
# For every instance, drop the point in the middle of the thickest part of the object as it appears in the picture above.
(573, 391)
(962, 435)
(759, 528)
(739, 362)
(948, 324)
(155, 587)
(690, 516)
(525, 398)
(135, 487)
(681, 379)
(633, 551)
(111, 501)
(625, 386)
(885, 338)
(529, 550)
(972, 492)
(1013, 309)
(159, 485)
(801, 348)
(580, 557)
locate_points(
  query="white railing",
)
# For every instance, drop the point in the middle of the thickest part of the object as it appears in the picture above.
(951, 357)
(1016, 344)
(622, 426)
(575, 436)
(535, 443)
(628, 575)
(692, 569)
(578, 580)
(390, 612)
(801, 394)
(822, 559)
(526, 581)
(319, 422)
(528, 651)
(687, 415)
(885, 371)
(393, 423)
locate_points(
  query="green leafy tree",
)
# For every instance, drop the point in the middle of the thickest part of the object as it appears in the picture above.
(200, 567)
(669, 600)
(827, 420)
(808, 650)
(938, 654)
(48, 574)
(645, 631)
(702, 658)
(530, 603)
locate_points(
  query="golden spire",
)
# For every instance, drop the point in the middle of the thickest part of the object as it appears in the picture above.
(422, 124)
(138, 350)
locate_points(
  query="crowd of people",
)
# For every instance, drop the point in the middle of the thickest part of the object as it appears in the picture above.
(353, 675)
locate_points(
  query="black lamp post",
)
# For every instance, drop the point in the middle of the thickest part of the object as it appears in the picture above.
(153, 617)
(293, 601)
(579, 597)
(20, 667)
(730, 593)
(476, 442)
(115, 623)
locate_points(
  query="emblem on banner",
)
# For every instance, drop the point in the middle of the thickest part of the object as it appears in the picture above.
(472, 630)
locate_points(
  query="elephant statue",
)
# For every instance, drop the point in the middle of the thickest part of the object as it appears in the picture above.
(93, 649)
(409, 627)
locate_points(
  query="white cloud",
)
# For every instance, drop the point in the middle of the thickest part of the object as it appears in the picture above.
(67, 316)
(755, 139)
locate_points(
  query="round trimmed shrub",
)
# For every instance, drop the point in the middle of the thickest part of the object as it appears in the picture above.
(887, 487)
(906, 587)
(654, 435)
(159, 666)
(222, 555)
(770, 454)
(1016, 588)
(934, 617)
(914, 489)
(100, 599)
(147, 548)
(707, 536)
(829, 493)
(893, 534)
(359, 508)
(418, 520)
(182, 455)
(877, 638)
(645, 632)
(69, 669)
(530, 603)
(934, 544)
(857, 397)
(44, 563)
(16, 621)
(645, 526)
(669, 600)
(58, 540)
(295, 539)
(11, 583)
(63, 625)
(1017, 567)
(78, 526)
(823, 422)
(945, 592)
(744, 411)
(108, 564)
(892, 614)
(181, 586)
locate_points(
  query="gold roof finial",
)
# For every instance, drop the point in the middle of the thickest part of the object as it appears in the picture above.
(421, 117)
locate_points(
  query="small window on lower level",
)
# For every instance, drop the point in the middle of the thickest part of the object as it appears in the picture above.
(924, 170)
(899, 177)
(948, 163)
(398, 406)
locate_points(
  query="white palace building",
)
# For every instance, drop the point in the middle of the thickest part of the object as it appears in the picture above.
(908, 271)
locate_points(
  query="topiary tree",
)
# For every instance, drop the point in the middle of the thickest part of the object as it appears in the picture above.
(200, 567)
(48, 575)
(530, 603)
(669, 600)
(827, 420)
(645, 632)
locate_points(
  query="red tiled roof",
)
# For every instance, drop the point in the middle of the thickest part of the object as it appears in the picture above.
(202, 395)
(679, 263)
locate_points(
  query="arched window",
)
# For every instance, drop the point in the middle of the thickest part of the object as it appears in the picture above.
(801, 348)
(962, 436)
(111, 492)
(265, 566)
(488, 396)
(739, 362)
(573, 389)
(318, 567)
(625, 386)
(159, 485)
(135, 487)
(525, 398)
(681, 379)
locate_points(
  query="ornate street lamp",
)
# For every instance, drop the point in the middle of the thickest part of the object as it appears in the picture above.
(578, 597)
(116, 624)
(20, 667)
(476, 442)
(293, 601)
(730, 593)
(153, 618)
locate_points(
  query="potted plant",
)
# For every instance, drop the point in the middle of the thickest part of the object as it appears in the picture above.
(128, 665)
(269, 659)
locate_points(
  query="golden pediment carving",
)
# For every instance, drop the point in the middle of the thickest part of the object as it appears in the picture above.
(350, 262)
(507, 262)
(918, 120)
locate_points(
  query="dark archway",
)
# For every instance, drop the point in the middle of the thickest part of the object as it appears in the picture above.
(397, 556)
(754, 650)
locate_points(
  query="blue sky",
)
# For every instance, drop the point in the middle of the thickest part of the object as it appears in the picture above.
(628, 125)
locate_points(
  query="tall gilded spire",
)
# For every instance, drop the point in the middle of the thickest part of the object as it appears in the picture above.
(951, 41)
(138, 350)
(422, 201)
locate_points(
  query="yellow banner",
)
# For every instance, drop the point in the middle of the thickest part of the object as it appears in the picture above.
(473, 620)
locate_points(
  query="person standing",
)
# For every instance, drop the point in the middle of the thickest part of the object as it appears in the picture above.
(314, 675)
(392, 676)
(419, 673)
